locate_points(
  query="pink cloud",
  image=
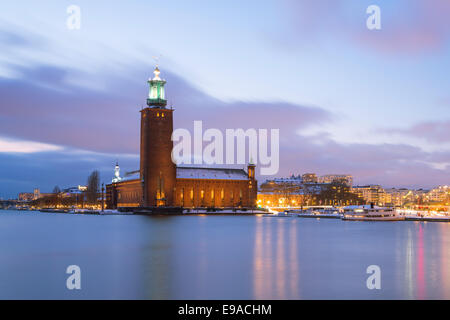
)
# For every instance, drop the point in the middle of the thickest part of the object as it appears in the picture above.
(108, 121)
(421, 26)
(397, 165)
(408, 27)
(432, 131)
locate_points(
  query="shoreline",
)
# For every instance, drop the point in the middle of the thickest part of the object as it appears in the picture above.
(204, 212)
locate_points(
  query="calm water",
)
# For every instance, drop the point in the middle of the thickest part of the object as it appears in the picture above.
(199, 257)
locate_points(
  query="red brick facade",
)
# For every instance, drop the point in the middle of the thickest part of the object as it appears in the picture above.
(157, 171)
(158, 184)
(189, 193)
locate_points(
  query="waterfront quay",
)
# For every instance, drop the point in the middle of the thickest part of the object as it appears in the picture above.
(420, 216)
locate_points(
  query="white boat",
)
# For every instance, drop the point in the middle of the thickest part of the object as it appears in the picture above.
(114, 212)
(370, 213)
(318, 212)
(284, 214)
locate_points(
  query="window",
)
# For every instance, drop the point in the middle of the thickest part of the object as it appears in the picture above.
(160, 188)
(182, 197)
(202, 196)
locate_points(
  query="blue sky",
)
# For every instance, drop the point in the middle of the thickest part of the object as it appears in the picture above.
(374, 104)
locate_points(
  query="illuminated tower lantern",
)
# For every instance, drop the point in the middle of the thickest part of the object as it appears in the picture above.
(157, 171)
(156, 95)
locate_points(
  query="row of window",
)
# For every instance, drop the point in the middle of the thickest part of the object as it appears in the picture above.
(160, 194)
(128, 195)
(202, 194)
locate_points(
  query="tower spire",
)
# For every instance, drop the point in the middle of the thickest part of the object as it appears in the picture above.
(117, 177)
(156, 72)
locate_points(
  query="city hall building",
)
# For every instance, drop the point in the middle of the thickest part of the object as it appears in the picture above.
(161, 183)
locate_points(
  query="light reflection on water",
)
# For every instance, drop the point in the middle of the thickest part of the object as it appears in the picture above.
(276, 266)
(214, 257)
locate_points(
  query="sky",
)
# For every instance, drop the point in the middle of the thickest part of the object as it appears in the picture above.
(371, 103)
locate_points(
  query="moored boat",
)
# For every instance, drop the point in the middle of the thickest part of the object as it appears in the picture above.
(370, 213)
(318, 212)
(284, 214)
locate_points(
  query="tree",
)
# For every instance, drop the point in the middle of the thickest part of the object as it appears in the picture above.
(55, 197)
(309, 194)
(337, 193)
(93, 186)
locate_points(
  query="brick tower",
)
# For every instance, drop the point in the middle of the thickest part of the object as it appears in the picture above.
(157, 171)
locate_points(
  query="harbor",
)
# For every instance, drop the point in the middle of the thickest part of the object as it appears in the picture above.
(314, 212)
(356, 213)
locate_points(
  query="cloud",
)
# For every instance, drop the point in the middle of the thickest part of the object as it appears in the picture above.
(43, 105)
(408, 27)
(19, 39)
(431, 131)
(94, 126)
(385, 164)
(419, 26)
(14, 146)
(67, 167)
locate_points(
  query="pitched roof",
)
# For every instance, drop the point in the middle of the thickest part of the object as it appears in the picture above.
(211, 173)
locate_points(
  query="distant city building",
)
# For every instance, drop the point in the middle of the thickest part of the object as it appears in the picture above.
(371, 194)
(68, 192)
(307, 190)
(281, 192)
(337, 178)
(26, 196)
(397, 197)
(309, 178)
(30, 196)
(439, 194)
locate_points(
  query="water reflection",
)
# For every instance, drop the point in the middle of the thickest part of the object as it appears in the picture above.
(294, 271)
(426, 261)
(444, 265)
(276, 270)
(156, 258)
(420, 265)
(409, 265)
(220, 257)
